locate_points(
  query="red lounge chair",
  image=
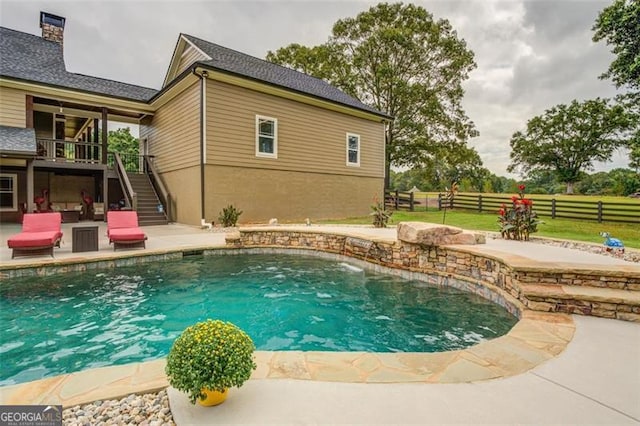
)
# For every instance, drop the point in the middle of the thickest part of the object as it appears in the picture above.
(123, 230)
(40, 233)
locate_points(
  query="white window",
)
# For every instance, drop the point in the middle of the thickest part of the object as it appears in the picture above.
(266, 137)
(8, 192)
(353, 149)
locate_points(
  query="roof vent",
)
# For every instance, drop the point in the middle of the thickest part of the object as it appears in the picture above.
(52, 27)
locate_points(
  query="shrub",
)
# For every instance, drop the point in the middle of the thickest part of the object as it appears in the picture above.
(215, 355)
(229, 216)
(519, 220)
(446, 200)
(380, 214)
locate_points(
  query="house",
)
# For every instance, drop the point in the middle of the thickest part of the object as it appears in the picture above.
(225, 128)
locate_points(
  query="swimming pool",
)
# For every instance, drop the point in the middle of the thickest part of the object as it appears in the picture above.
(71, 322)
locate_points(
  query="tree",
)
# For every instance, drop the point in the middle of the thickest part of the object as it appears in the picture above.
(542, 182)
(464, 166)
(398, 59)
(123, 142)
(634, 154)
(567, 139)
(625, 181)
(619, 25)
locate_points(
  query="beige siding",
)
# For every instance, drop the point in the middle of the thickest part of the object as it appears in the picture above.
(189, 56)
(173, 134)
(12, 107)
(287, 195)
(310, 138)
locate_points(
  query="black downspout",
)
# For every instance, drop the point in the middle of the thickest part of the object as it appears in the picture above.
(202, 76)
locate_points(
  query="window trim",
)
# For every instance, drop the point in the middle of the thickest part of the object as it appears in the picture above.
(275, 137)
(357, 163)
(14, 207)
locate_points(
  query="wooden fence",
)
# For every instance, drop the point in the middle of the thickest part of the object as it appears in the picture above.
(567, 209)
(399, 200)
(482, 203)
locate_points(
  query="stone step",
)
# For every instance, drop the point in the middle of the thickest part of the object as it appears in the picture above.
(600, 302)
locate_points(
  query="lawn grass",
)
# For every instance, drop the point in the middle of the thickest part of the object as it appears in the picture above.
(566, 229)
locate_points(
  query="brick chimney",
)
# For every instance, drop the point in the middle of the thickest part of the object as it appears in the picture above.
(52, 27)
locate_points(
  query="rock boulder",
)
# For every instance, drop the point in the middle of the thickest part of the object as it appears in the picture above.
(431, 234)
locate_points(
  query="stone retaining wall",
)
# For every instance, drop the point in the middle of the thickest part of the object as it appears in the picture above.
(542, 288)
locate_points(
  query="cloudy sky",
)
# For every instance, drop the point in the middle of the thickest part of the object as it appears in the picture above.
(531, 54)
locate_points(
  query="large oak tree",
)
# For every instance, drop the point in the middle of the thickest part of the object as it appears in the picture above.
(400, 60)
(568, 139)
(619, 26)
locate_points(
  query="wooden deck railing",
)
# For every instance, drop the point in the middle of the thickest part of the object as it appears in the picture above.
(68, 151)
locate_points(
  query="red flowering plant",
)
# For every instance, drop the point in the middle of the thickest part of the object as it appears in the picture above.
(519, 220)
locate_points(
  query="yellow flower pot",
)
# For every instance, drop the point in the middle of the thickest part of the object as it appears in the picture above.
(212, 397)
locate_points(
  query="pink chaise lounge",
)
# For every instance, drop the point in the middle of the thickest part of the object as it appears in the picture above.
(40, 233)
(123, 230)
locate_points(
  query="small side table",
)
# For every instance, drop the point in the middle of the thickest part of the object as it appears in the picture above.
(70, 216)
(84, 238)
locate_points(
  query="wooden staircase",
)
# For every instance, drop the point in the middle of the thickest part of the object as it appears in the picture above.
(148, 201)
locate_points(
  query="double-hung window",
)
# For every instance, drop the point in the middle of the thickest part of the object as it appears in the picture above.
(8, 192)
(266, 137)
(353, 150)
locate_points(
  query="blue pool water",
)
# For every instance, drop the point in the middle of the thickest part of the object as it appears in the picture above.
(71, 322)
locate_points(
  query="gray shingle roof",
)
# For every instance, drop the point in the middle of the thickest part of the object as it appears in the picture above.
(225, 59)
(31, 58)
(28, 57)
(17, 140)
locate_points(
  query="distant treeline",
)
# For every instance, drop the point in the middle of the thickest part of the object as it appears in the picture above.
(615, 182)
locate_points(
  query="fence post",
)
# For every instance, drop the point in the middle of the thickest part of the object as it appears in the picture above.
(480, 203)
(553, 208)
(439, 201)
(411, 199)
(599, 211)
(396, 200)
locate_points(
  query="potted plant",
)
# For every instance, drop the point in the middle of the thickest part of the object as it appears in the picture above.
(208, 358)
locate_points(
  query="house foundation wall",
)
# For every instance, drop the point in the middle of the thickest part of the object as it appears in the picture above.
(184, 187)
(288, 196)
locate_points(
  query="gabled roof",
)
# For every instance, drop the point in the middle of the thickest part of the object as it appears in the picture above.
(17, 140)
(241, 64)
(31, 58)
(183, 46)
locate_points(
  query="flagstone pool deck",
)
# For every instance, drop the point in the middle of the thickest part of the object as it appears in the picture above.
(550, 368)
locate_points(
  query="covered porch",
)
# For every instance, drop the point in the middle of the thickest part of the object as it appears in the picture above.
(62, 161)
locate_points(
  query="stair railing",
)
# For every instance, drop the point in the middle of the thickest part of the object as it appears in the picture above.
(158, 185)
(130, 197)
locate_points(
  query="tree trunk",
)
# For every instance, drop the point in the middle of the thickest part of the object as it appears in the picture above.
(570, 188)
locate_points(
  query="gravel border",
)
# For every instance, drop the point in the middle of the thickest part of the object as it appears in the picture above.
(149, 409)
